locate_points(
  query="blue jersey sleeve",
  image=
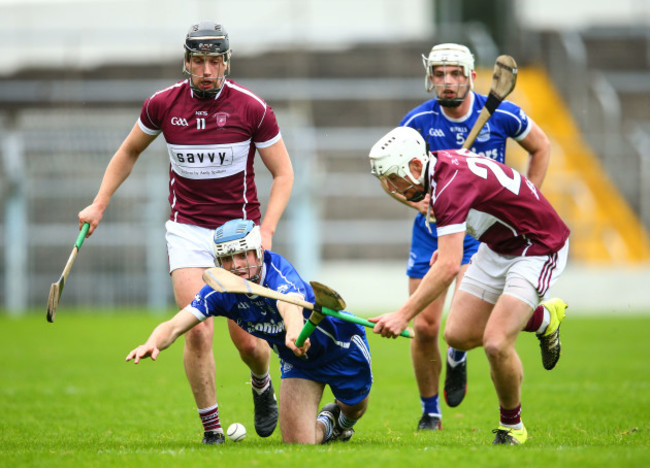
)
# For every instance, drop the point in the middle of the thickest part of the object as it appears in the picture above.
(513, 120)
(260, 317)
(440, 132)
(281, 276)
(208, 303)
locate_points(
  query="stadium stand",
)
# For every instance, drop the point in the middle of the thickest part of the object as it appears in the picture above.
(332, 106)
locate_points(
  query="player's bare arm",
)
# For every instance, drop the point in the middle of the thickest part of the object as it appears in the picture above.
(117, 171)
(539, 150)
(163, 336)
(277, 161)
(434, 283)
(293, 323)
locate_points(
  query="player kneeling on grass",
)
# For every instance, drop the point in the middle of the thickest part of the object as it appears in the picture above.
(523, 251)
(336, 354)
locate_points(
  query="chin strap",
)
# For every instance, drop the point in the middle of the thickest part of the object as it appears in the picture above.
(428, 218)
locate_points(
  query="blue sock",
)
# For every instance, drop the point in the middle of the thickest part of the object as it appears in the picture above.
(455, 357)
(431, 405)
(328, 427)
(345, 422)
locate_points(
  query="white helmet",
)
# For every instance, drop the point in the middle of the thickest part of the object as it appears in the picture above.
(393, 152)
(448, 54)
(235, 237)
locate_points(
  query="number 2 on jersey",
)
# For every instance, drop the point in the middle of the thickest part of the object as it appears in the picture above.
(480, 166)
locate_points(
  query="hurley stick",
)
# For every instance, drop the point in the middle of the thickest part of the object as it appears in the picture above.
(504, 79)
(226, 282)
(57, 288)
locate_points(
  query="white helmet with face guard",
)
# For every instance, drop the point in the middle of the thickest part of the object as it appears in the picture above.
(236, 237)
(392, 154)
(449, 54)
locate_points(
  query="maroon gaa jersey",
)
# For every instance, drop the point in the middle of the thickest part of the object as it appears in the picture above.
(494, 203)
(211, 145)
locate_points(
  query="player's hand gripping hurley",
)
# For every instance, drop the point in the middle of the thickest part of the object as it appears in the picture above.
(504, 79)
(57, 288)
(328, 302)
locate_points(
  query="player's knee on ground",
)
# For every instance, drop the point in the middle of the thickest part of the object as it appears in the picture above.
(302, 437)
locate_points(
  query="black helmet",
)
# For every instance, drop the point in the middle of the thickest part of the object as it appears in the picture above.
(206, 38)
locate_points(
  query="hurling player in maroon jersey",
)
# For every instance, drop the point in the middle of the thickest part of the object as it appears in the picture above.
(213, 127)
(523, 251)
(444, 122)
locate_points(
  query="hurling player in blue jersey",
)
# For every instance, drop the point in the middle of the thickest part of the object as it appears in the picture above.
(444, 122)
(336, 354)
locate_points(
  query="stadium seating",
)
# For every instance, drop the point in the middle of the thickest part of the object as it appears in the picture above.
(332, 106)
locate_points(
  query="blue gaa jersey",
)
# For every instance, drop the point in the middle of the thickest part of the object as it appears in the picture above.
(441, 132)
(259, 316)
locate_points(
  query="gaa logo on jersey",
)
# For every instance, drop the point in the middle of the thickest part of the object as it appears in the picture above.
(221, 119)
(484, 134)
(179, 121)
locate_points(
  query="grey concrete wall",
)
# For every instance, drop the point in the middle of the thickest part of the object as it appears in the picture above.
(373, 287)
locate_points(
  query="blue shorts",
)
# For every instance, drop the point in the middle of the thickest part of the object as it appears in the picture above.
(349, 378)
(424, 243)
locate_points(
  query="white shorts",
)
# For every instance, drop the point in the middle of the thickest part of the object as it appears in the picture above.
(189, 246)
(527, 278)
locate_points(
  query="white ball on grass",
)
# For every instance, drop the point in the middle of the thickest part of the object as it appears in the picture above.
(236, 432)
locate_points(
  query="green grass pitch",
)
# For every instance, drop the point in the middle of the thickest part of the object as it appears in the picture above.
(67, 398)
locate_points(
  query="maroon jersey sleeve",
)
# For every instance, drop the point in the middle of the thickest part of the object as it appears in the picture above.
(494, 203)
(268, 131)
(152, 113)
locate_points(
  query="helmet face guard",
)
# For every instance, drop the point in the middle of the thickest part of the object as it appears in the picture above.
(449, 55)
(204, 41)
(402, 185)
(237, 237)
(390, 158)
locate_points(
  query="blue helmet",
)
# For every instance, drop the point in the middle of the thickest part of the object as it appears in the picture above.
(235, 237)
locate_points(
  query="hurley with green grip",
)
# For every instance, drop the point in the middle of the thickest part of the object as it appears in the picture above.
(57, 288)
(328, 302)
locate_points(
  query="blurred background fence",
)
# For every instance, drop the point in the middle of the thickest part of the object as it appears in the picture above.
(339, 74)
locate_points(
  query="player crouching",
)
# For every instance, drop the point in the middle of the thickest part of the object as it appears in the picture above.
(336, 354)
